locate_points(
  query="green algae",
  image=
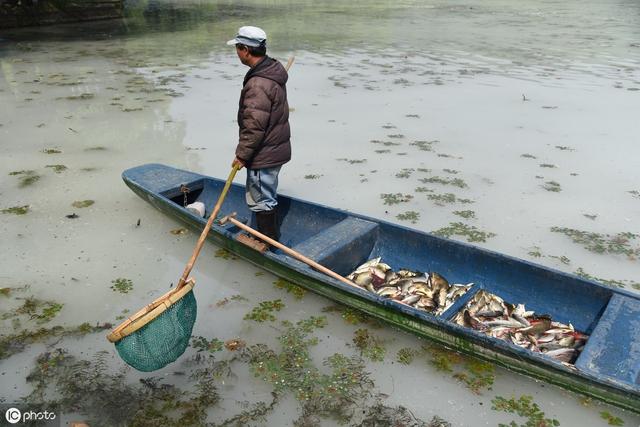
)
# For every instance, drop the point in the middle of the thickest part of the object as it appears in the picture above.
(634, 193)
(412, 216)
(478, 376)
(82, 203)
(395, 198)
(81, 97)
(548, 165)
(51, 151)
(618, 244)
(524, 407)
(16, 210)
(96, 148)
(291, 288)
(470, 232)
(381, 151)
(312, 176)
(396, 136)
(122, 285)
(202, 344)
(564, 148)
(451, 171)
(264, 311)
(552, 186)
(369, 345)
(465, 214)
(612, 420)
(535, 252)
(456, 182)
(57, 168)
(528, 156)
(406, 355)
(405, 173)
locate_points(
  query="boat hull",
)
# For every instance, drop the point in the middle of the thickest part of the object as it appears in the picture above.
(155, 184)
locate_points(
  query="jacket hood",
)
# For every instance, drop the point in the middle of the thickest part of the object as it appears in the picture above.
(270, 69)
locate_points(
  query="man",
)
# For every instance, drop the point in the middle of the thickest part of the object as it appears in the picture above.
(263, 118)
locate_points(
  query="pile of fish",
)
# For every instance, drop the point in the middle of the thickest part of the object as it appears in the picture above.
(489, 314)
(425, 291)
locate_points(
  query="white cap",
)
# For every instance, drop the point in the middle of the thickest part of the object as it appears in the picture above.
(249, 36)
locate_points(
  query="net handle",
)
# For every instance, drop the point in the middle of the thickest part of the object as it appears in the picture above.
(205, 232)
(149, 312)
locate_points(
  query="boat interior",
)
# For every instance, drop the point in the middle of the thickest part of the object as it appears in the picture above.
(342, 241)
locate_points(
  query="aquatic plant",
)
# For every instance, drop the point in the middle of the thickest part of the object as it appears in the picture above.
(225, 254)
(352, 161)
(382, 151)
(524, 407)
(335, 394)
(528, 156)
(312, 176)
(465, 214)
(412, 216)
(618, 244)
(424, 145)
(51, 151)
(564, 148)
(398, 416)
(612, 420)
(395, 198)
(227, 300)
(442, 199)
(264, 311)
(406, 355)
(181, 230)
(82, 203)
(471, 233)
(547, 165)
(369, 345)
(385, 143)
(298, 292)
(451, 171)
(396, 136)
(121, 285)
(202, 344)
(28, 177)
(16, 210)
(57, 168)
(108, 399)
(351, 315)
(457, 182)
(16, 342)
(405, 173)
(609, 282)
(552, 186)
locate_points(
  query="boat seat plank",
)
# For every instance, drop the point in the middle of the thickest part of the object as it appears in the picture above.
(613, 349)
(342, 246)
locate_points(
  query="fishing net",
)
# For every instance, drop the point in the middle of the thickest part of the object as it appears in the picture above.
(163, 338)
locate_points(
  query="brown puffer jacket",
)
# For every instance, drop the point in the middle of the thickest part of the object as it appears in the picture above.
(263, 117)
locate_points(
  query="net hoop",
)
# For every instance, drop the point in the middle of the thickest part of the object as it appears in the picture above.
(149, 312)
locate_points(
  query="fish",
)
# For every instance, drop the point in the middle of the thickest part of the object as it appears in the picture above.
(388, 291)
(411, 299)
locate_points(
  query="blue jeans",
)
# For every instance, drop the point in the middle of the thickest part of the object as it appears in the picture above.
(261, 188)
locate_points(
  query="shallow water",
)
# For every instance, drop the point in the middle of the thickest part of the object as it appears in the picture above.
(480, 83)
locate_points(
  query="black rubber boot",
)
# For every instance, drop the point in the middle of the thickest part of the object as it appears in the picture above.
(267, 222)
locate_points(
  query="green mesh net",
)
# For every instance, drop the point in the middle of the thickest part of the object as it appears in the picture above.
(162, 340)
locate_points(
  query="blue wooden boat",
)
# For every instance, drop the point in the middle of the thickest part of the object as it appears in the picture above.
(608, 368)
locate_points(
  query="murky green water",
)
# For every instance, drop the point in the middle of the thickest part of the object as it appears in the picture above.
(509, 118)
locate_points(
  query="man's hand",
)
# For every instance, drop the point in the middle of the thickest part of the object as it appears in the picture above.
(237, 162)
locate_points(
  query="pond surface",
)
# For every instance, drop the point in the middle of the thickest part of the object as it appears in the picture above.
(517, 121)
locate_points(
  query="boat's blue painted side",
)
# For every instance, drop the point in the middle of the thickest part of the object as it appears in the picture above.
(341, 241)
